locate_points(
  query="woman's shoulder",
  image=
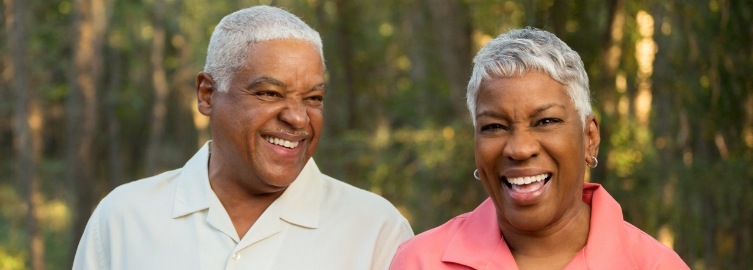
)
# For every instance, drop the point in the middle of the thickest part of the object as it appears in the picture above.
(649, 253)
(425, 250)
(439, 235)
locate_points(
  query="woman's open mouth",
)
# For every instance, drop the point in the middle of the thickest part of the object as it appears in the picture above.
(527, 189)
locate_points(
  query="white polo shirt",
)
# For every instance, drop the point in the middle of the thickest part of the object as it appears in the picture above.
(175, 221)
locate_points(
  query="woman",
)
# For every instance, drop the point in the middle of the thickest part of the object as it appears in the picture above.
(535, 135)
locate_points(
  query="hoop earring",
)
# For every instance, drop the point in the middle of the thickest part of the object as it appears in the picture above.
(475, 175)
(595, 162)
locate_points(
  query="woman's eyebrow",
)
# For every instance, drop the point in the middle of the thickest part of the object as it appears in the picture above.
(488, 113)
(547, 106)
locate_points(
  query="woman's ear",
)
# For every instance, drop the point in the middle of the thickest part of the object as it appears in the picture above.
(205, 87)
(593, 136)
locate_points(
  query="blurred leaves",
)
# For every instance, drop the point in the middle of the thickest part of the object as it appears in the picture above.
(395, 122)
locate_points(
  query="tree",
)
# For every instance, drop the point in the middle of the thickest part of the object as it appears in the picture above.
(27, 127)
(159, 83)
(453, 39)
(82, 109)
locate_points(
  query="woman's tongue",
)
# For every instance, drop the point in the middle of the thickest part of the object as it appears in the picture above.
(527, 188)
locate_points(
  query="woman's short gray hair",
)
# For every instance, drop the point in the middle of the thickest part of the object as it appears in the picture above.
(519, 51)
(235, 32)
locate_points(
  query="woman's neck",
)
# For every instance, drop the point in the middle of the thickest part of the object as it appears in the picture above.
(552, 247)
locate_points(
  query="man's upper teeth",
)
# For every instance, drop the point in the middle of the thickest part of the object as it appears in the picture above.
(281, 142)
(526, 179)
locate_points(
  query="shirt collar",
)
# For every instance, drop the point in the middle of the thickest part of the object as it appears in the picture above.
(300, 204)
(606, 236)
(193, 192)
(478, 242)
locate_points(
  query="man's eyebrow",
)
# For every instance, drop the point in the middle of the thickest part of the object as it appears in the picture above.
(321, 86)
(263, 80)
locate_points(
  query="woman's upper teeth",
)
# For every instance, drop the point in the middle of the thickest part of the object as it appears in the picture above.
(281, 142)
(527, 179)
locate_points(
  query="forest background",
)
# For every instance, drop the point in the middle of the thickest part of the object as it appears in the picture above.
(97, 93)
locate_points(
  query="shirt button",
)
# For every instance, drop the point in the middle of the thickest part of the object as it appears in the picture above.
(236, 256)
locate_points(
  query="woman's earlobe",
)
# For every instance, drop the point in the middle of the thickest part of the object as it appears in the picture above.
(594, 138)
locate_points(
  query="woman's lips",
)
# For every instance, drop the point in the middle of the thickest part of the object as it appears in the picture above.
(528, 189)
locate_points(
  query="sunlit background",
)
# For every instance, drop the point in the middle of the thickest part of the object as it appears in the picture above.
(96, 93)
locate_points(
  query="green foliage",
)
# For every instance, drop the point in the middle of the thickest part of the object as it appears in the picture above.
(418, 169)
(394, 124)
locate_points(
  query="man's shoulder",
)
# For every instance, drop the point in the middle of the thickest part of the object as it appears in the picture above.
(140, 193)
(343, 200)
(345, 192)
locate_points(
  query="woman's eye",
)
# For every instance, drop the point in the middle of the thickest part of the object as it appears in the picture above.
(491, 127)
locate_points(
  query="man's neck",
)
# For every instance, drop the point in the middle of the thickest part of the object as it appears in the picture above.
(244, 209)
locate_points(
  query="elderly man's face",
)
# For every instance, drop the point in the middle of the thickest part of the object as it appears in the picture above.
(531, 150)
(267, 125)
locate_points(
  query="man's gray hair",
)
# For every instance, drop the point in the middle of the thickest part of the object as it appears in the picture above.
(519, 51)
(231, 38)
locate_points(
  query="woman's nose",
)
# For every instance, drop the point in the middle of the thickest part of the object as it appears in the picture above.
(522, 145)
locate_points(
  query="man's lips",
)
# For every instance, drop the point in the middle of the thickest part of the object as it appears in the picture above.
(289, 139)
(281, 142)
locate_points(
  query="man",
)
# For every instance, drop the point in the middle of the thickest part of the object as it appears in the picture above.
(252, 198)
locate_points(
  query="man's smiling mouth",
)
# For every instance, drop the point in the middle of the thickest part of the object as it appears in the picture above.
(281, 142)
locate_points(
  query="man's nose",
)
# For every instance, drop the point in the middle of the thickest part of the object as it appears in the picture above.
(295, 114)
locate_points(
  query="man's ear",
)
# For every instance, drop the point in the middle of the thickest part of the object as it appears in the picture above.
(593, 136)
(205, 87)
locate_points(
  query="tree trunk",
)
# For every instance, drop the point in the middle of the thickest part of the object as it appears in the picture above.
(159, 82)
(81, 109)
(558, 17)
(184, 78)
(116, 171)
(345, 24)
(454, 43)
(610, 55)
(414, 30)
(27, 127)
(183, 81)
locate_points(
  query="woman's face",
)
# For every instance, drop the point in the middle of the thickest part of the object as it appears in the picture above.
(531, 150)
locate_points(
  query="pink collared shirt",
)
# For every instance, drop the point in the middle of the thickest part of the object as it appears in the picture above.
(473, 241)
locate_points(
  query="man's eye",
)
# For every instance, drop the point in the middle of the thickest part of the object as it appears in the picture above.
(548, 121)
(316, 98)
(268, 94)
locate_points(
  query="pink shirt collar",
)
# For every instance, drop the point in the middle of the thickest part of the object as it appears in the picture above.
(479, 244)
